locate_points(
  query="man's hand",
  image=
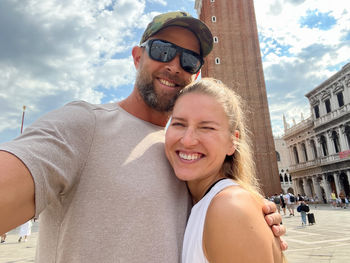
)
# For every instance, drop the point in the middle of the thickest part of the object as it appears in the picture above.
(274, 220)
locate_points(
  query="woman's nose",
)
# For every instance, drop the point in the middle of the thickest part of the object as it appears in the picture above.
(189, 138)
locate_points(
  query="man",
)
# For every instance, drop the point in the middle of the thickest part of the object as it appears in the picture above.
(290, 199)
(277, 201)
(97, 174)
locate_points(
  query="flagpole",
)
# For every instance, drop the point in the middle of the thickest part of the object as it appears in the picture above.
(24, 109)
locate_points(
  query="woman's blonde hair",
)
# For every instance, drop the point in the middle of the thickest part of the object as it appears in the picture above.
(240, 166)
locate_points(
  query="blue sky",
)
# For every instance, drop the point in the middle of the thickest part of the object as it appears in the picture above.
(56, 51)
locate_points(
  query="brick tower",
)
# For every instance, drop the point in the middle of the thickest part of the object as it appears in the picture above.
(236, 61)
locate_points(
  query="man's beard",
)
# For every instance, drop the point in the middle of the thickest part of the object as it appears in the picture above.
(158, 102)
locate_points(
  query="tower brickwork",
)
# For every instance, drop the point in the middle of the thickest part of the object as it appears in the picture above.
(236, 61)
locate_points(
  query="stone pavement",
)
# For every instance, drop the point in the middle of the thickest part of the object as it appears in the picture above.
(326, 241)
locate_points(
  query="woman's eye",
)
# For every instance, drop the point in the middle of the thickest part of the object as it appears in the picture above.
(208, 128)
(177, 124)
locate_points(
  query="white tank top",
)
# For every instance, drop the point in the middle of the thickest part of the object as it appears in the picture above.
(192, 251)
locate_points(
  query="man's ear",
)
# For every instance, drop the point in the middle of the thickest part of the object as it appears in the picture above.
(136, 54)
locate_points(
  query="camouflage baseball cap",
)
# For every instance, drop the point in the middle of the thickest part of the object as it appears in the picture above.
(185, 20)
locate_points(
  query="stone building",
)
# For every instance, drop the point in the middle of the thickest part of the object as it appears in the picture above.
(236, 61)
(320, 145)
(283, 163)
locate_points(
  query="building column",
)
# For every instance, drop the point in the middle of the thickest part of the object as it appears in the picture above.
(291, 155)
(326, 187)
(309, 150)
(342, 138)
(317, 187)
(348, 174)
(295, 187)
(330, 143)
(337, 183)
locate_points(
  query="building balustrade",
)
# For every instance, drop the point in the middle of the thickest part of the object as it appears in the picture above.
(299, 127)
(319, 161)
(332, 115)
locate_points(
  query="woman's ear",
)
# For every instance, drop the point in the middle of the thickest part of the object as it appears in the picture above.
(233, 147)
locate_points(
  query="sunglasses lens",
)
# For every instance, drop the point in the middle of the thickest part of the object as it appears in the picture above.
(162, 51)
(190, 63)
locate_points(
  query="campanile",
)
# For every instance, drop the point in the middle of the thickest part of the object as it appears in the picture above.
(236, 61)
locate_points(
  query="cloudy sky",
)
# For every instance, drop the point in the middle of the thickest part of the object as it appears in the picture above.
(56, 51)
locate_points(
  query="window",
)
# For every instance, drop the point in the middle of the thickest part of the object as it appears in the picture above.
(281, 178)
(212, 1)
(296, 156)
(278, 156)
(340, 99)
(313, 147)
(217, 60)
(347, 134)
(327, 103)
(213, 19)
(317, 112)
(286, 178)
(216, 39)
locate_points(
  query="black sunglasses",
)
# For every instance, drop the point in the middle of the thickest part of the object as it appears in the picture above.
(164, 51)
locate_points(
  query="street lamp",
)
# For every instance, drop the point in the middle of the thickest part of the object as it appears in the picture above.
(24, 109)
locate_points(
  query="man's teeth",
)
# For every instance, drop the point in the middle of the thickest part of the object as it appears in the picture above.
(189, 157)
(165, 82)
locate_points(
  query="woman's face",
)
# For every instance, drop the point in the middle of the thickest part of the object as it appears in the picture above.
(198, 138)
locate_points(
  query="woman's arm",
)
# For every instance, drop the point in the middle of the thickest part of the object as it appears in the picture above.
(235, 230)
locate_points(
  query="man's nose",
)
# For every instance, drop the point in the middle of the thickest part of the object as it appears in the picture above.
(174, 65)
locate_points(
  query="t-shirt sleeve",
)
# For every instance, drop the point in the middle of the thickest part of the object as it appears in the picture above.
(55, 149)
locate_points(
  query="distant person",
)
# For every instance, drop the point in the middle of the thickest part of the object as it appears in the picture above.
(25, 230)
(303, 208)
(3, 238)
(334, 199)
(289, 203)
(283, 203)
(342, 199)
(277, 201)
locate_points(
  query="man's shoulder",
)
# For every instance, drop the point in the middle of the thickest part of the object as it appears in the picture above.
(91, 106)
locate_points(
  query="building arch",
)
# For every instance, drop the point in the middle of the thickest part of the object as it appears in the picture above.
(347, 134)
(344, 182)
(324, 147)
(335, 139)
(331, 181)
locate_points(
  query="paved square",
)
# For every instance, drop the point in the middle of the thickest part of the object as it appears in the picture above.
(326, 241)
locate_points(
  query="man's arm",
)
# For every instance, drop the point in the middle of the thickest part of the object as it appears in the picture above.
(17, 203)
(274, 220)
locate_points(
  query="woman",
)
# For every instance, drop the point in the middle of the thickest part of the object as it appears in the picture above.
(25, 230)
(207, 145)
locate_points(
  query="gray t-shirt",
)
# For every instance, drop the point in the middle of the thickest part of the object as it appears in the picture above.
(103, 187)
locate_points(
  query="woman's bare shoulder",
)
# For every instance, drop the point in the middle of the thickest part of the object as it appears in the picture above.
(234, 224)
